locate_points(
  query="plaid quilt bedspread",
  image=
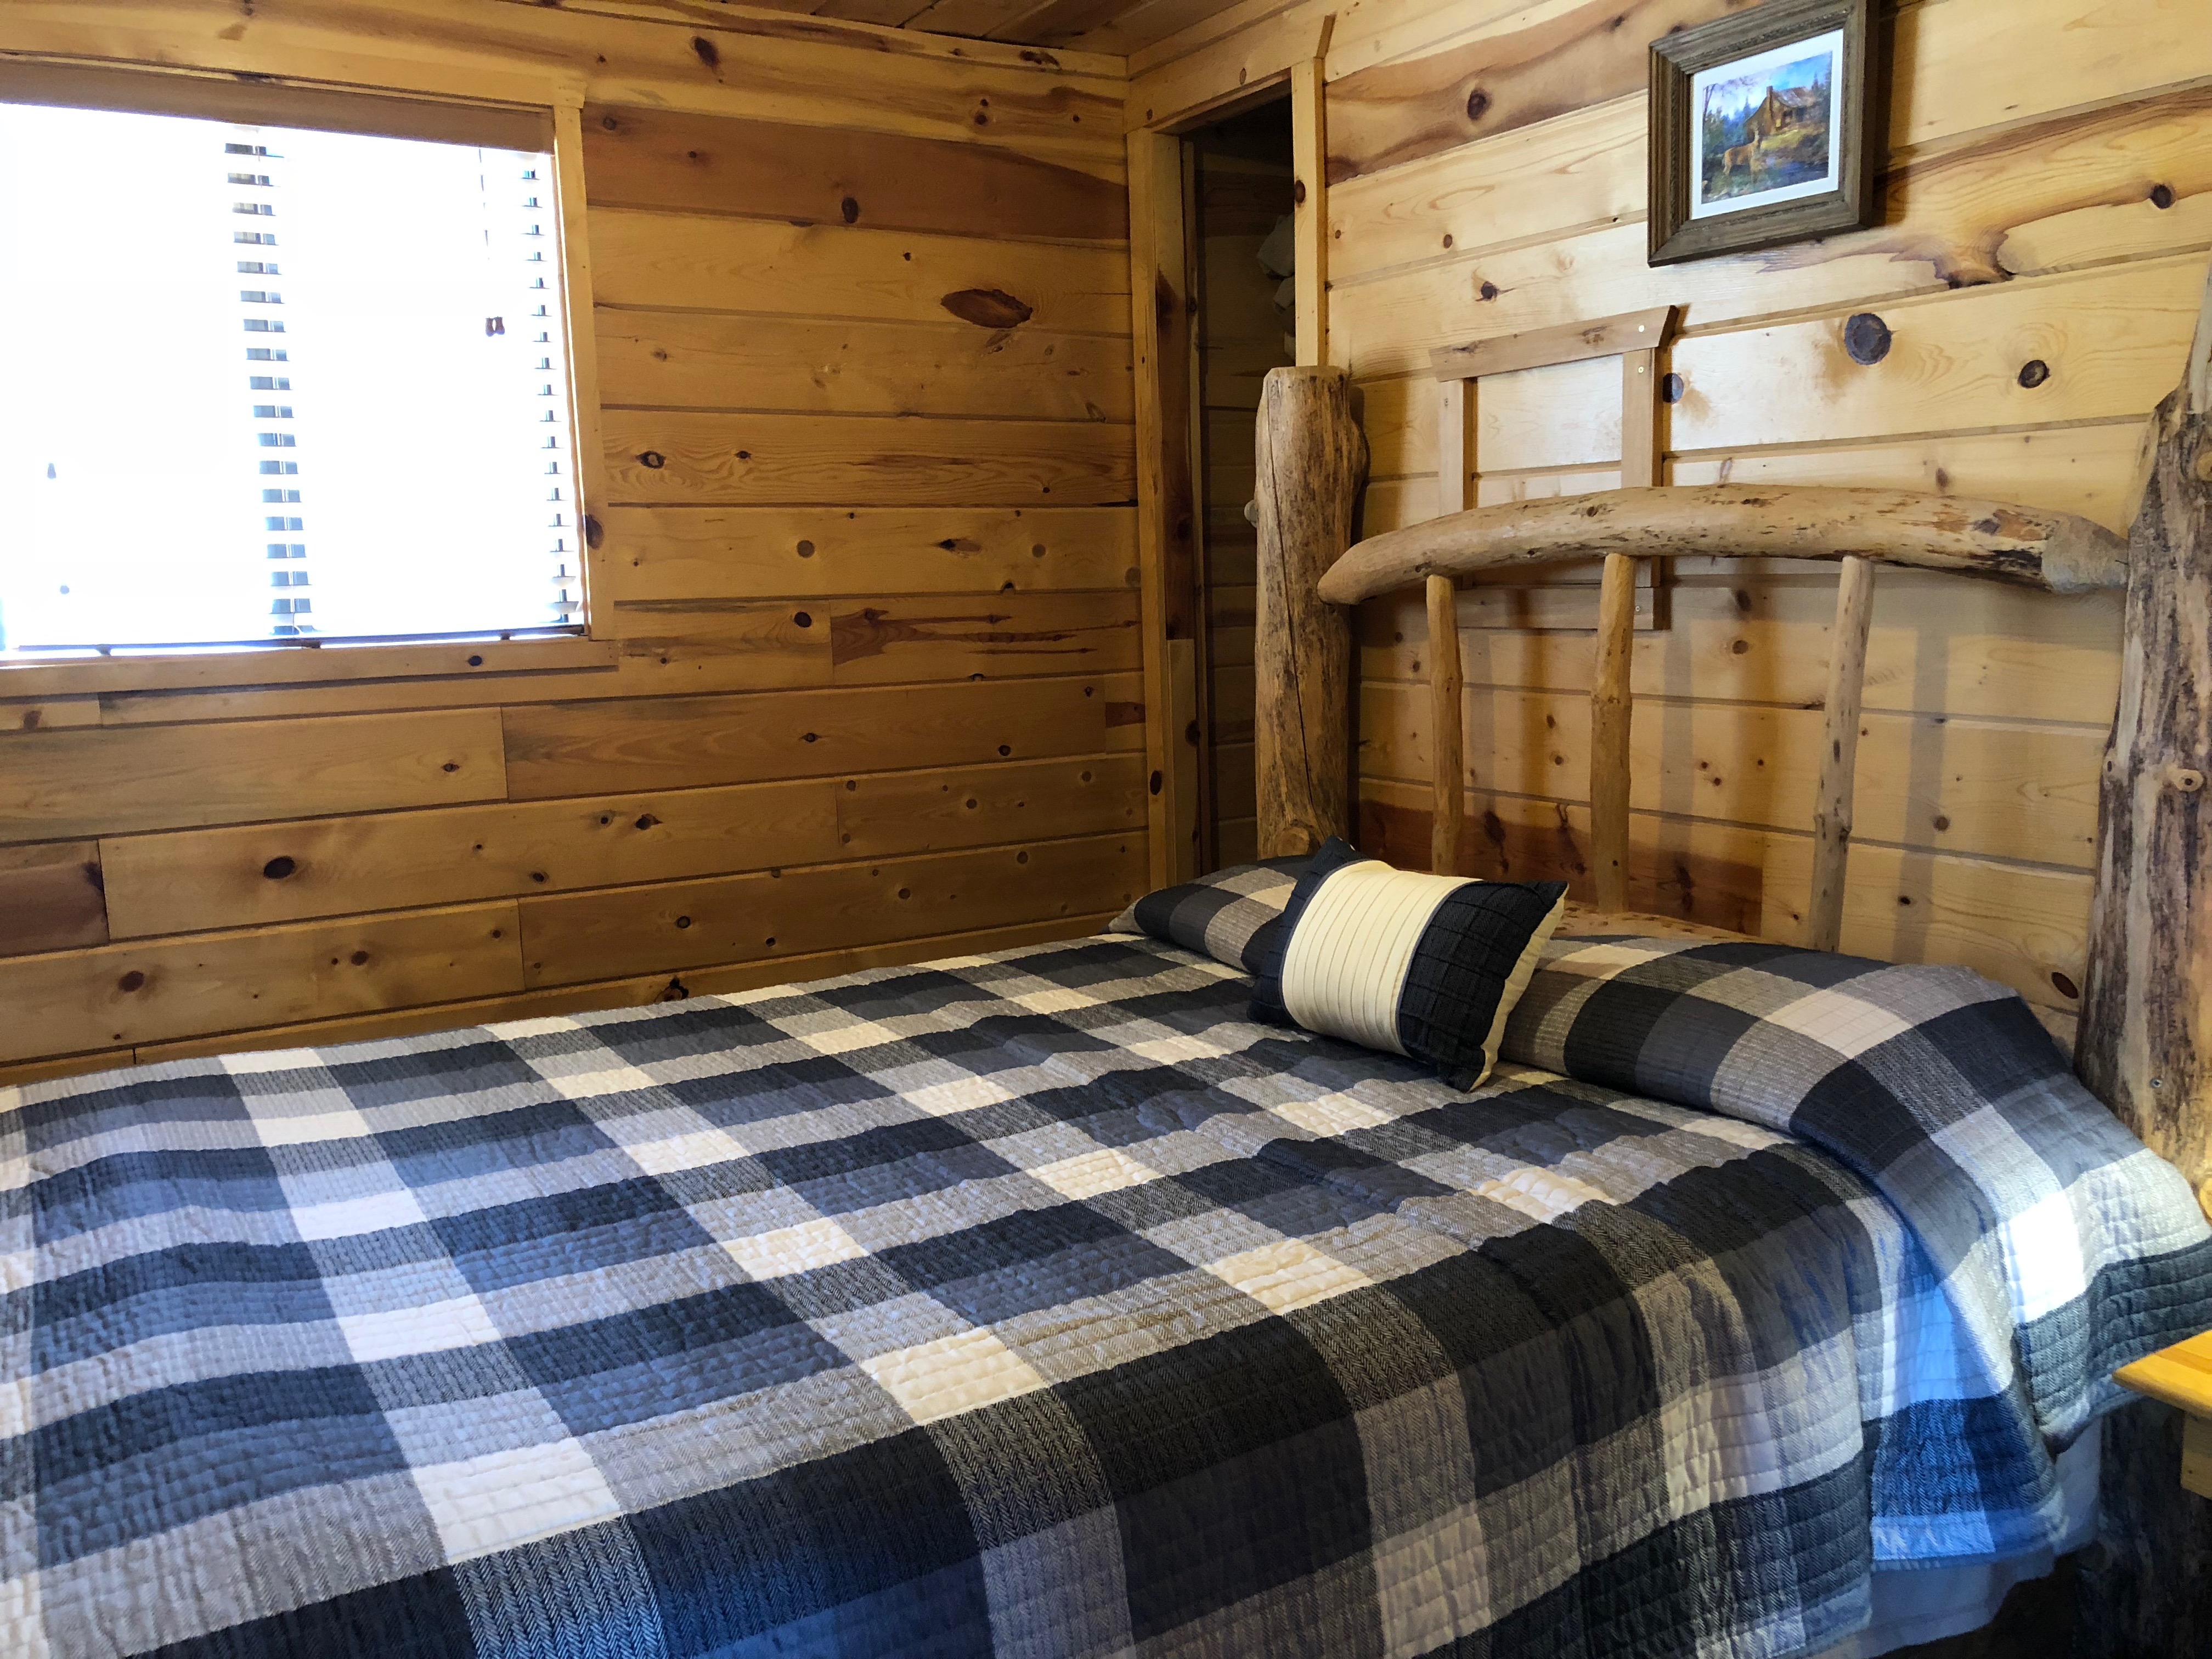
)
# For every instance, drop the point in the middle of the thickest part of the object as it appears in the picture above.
(1033, 1305)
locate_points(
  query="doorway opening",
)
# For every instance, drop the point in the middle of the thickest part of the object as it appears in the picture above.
(1243, 186)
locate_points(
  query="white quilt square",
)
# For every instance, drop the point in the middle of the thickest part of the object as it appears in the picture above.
(701, 1148)
(271, 1060)
(459, 1322)
(843, 1039)
(1838, 1020)
(346, 1217)
(794, 1249)
(1331, 1115)
(965, 1094)
(1108, 1169)
(1286, 1276)
(957, 1373)
(482, 1506)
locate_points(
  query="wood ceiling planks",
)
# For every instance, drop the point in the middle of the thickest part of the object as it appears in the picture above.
(1116, 27)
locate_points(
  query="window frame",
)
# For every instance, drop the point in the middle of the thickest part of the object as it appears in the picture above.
(537, 112)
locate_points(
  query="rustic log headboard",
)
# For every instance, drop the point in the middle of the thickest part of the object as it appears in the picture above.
(2145, 1042)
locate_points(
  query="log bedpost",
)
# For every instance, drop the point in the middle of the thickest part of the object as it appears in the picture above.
(2145, 1045)
(2145, 1042)
(1312, 459)
(1840, 753)
(1447, 728)
(1611, 695)
(1447, 685)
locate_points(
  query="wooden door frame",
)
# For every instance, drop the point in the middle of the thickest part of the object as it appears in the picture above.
(1171, 435)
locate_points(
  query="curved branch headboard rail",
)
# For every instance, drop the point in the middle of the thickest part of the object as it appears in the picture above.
(2025, 545)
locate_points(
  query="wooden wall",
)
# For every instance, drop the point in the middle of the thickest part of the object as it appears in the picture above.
(1241, 182)
(866, 573)
(2050, 201)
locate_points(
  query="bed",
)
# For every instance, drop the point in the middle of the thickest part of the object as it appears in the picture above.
(1042, 1303)
(1762, 1304)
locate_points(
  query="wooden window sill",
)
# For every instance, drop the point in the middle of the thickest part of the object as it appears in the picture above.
(208, 671)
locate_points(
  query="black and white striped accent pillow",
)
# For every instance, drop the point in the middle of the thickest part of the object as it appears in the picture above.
(1424, 966)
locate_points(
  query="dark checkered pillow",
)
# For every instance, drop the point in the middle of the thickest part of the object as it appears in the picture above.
(1218, 915)
(1420, 965)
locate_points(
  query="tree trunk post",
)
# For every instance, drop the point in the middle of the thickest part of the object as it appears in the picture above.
(2146, 1037)
(1312, 459)
(2145, 1047)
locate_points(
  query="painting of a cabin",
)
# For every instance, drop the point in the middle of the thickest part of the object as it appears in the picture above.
(1766, 126)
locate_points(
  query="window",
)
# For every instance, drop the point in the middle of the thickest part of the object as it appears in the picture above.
(153, 500)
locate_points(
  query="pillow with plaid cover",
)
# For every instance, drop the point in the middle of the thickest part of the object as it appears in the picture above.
(1218, 915)
(1420, 965)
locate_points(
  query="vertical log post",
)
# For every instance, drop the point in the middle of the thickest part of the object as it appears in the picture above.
(2146, 1037)
(2145, 1047)
(1612, 710)
(1840, 753)
(1312, 458)
(1612, 697)
(1447, 734)
(1447, 739)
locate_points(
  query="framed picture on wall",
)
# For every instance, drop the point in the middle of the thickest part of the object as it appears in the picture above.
(1767, 127)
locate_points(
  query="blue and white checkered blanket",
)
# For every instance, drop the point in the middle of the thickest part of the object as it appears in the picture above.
(1041, 1304)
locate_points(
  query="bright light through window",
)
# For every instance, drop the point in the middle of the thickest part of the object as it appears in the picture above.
(264, 384)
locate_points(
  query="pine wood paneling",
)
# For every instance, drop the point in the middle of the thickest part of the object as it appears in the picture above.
(719, 645)
(741, 918)
(805, 71)
(1987, 786)
(568, 749)
(663, 457)
(693, 553)
(51, 897)
(64, 785)
(147, 991)
(670, 259)
(937, 639)
(47, 714)
(689, 360)
(930, 811)
(771, 170)
(260, 874)
(2108, 342)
